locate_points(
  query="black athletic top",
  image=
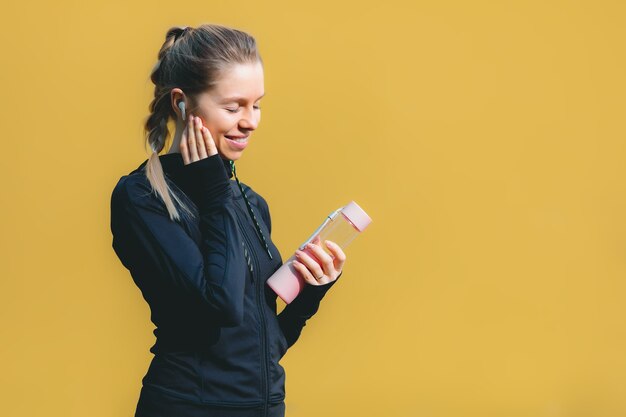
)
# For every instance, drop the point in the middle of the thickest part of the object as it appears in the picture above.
(218, 337)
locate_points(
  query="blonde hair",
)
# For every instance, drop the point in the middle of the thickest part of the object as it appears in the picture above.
(191, 59)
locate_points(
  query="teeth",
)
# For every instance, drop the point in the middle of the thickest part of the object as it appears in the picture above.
(240, 140)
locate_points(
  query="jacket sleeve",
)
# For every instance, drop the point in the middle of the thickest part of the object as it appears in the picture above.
(294, 316)
(154, 247)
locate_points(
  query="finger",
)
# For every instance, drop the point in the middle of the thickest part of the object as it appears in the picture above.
(184, 149)
(312, 265)
(324, 258)
(208, 141)
(315, 240)
(304, 272)
(199, 139)
(191, 140)
(313, 275)
(340, 256)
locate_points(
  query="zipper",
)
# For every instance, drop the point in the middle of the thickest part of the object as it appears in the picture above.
(264, 336)
(260, 296)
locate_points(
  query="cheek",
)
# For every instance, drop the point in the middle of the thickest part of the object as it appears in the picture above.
(203, 118)
(222, 125)
(217, 130)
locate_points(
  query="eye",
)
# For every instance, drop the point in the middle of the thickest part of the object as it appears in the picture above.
(237, 109)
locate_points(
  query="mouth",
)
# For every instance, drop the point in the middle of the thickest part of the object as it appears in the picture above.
(238, 139)
(238, 143)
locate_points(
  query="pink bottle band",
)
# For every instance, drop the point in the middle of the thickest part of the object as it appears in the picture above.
(356, 215)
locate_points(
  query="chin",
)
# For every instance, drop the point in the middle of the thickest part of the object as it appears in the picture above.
(233, 156)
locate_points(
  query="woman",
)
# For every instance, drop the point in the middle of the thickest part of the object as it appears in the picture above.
(198, 244)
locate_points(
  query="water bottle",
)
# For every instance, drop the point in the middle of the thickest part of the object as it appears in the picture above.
(341, 227)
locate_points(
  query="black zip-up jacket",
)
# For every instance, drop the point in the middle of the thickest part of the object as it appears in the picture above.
(219, 338)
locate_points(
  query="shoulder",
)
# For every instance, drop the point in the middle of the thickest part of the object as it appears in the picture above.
(254, 197)
(130, 187)
(132, 190)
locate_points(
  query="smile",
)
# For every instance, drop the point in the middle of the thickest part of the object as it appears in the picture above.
(238, 144)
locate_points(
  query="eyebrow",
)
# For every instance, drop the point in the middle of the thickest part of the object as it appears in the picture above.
(237, 98)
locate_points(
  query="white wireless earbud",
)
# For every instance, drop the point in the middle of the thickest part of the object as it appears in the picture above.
(181, 106)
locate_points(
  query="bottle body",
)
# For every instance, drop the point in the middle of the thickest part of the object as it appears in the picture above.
(337, 229)
(341, 227)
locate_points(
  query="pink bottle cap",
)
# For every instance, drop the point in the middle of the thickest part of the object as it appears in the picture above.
(356, 215)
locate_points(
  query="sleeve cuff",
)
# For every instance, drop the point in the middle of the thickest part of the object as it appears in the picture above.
(205, 181)
(316, 292)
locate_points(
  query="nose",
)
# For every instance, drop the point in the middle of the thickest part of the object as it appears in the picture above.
(249, 120)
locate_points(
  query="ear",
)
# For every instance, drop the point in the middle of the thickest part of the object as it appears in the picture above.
(176, 96)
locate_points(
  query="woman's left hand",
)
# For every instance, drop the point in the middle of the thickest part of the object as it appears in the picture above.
(329, 266)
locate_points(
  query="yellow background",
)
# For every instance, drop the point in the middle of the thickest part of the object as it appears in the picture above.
(484, 138)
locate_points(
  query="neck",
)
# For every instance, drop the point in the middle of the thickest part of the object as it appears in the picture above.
(178, 134)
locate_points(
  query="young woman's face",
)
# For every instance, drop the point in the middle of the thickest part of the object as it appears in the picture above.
(231, 109)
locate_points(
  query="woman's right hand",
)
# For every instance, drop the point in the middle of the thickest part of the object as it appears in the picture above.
(196, 142)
